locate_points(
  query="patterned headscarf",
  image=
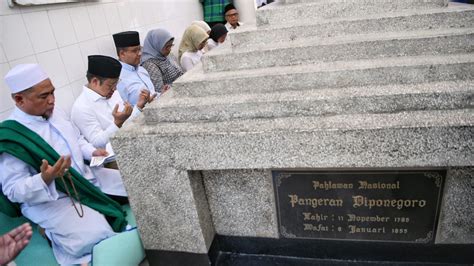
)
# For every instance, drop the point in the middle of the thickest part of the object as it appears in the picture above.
(154, 42)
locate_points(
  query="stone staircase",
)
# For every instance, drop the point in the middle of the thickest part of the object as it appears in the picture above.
(333, 57)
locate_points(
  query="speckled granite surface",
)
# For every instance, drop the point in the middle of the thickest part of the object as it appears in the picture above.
(198, 161)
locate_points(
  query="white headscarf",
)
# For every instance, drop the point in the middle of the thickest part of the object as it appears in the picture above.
(192, 37)
(202, 24)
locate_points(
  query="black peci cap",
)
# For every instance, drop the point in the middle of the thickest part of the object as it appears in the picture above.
(104, 66)
(126, 39)
(228, 7)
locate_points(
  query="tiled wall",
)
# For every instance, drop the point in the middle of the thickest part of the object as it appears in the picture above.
(59, 37)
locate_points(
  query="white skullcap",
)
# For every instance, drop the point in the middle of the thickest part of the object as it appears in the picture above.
(24, 76)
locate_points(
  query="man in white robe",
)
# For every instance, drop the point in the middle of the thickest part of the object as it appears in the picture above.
(99, 111)
(72, 237)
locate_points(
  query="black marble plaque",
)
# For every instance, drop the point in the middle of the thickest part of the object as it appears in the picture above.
(399, 206)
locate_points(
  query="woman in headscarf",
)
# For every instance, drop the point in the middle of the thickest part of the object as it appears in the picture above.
(203, 25)
(156, 59)
(217, 36)
(193, 41)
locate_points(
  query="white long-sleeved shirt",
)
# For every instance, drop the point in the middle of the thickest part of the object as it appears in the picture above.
(92, 115)
(230, 28)
(190, 59)
(211, 44)
(72, 237)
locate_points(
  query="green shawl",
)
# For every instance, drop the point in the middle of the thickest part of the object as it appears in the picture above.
(19, 141)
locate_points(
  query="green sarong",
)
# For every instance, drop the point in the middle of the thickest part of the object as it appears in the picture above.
(19, 141)
(214, 10)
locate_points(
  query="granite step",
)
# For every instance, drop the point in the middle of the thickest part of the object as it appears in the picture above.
(405, 139)
(299, 1)
(351, 47)
(280, 13)
(454, 16)
(381, 71)
(322, 1)
(322, 102)
(446, 134)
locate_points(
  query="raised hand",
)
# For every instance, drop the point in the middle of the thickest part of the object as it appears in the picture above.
(152, 97)
(49, 173)
(143, 98)
(13, 242)
(121, 117)
(165, 88)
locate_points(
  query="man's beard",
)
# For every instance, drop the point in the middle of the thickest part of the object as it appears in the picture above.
(47, 115)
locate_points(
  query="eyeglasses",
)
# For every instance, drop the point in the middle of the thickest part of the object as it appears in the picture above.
(135, 50)
(232, 15)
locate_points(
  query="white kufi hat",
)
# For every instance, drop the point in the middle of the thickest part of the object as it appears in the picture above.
(24, 76)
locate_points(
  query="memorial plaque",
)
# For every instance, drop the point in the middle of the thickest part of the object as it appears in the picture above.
(393, 206)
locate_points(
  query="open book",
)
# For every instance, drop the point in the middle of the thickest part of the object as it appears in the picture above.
(100, 160)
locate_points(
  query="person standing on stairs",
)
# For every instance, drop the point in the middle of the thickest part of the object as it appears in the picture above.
(214, 11)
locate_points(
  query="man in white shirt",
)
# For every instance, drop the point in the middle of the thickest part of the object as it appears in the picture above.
(232, 17)
(72, 236)
(99, 111)
(134, 78)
